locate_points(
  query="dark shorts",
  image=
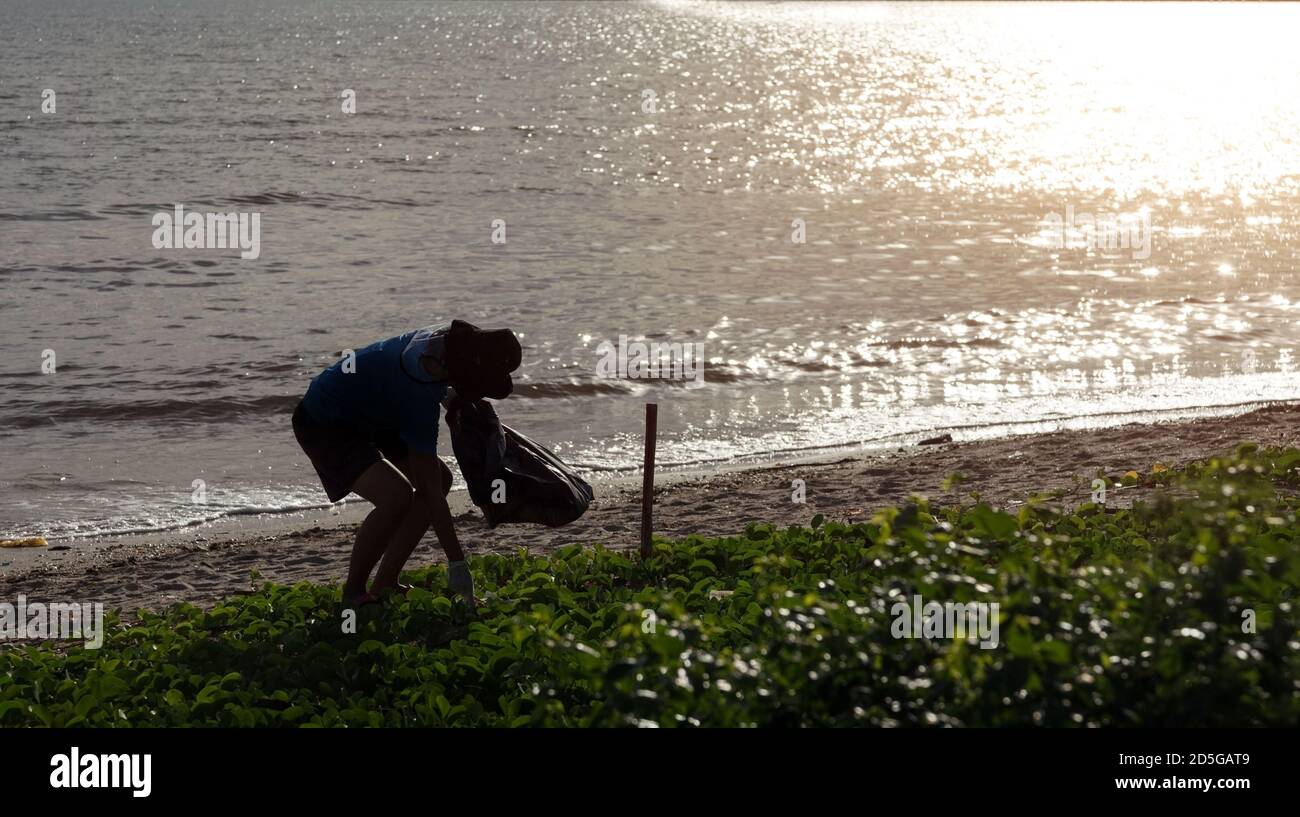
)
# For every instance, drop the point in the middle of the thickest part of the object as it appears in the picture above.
(341, 454)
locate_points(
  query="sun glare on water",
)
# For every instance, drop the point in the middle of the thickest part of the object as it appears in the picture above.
(1128, 98)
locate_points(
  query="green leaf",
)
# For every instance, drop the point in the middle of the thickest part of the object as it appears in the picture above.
(994, 524)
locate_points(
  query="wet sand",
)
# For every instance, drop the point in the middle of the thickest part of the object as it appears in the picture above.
(202, 566)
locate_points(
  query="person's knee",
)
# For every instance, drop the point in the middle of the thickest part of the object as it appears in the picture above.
(446, 478)
(419, 509)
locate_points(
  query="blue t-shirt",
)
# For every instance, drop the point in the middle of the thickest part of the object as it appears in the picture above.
(388, 391)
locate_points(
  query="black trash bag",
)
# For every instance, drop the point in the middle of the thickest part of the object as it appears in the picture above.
(539, 488)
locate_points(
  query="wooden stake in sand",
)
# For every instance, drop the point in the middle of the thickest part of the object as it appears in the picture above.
(648, 481)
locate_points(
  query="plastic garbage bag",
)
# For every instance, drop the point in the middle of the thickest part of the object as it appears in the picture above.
(538, 487)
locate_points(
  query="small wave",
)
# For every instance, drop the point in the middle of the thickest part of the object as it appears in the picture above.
(940, 343)
(814, 366)
(128, 527)
(967, 432)
(722, 373)
(541, 391)
(271, 198)
(52, 215)
(225, 204)
(33, 414)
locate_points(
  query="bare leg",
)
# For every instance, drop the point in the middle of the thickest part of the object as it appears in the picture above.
(392, 495)
(408, 534)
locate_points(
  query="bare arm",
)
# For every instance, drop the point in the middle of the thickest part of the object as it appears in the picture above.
(429, 489)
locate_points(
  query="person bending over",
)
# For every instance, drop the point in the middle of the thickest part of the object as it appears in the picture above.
(369, 425)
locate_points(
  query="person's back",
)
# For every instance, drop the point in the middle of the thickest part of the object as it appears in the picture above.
(369, 425)
(383, 390)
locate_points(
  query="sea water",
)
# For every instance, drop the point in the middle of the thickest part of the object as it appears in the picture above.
(866, 216)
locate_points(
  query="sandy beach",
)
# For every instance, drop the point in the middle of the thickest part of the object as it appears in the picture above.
(203, 565)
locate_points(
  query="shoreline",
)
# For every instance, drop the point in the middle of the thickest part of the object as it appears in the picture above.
(202, 565)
